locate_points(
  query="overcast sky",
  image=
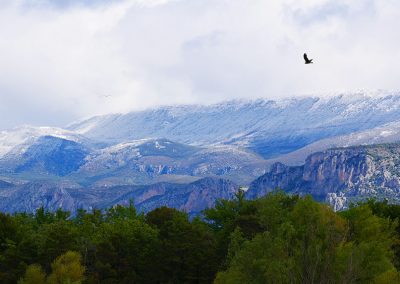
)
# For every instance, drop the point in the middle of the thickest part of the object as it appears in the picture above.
(61, 61)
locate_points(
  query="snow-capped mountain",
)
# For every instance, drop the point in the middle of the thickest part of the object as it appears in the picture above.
(45, 155)
(236, 140)
(268, 127)
(17, 140)
(143, 161)
(387, 133)
(149, 160)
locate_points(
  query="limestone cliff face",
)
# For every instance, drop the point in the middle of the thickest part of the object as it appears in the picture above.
(191, 198)
(338, 175)
(280, 175)
(31, 196)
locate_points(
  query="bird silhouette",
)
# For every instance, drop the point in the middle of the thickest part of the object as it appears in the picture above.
(307, 61)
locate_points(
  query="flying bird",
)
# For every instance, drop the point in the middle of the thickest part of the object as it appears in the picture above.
(307, 61)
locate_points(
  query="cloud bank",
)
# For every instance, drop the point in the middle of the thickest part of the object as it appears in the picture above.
(63, 60)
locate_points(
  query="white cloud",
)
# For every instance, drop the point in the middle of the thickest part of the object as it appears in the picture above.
(60, 61)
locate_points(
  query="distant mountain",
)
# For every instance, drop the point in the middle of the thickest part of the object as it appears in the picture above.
(177, 146)
(338, 176)
(156, 158)
(192, 198)
(31, 196)
(387, 133)
(270, 128)
(46, 155)
(137, 162)
(16, 140)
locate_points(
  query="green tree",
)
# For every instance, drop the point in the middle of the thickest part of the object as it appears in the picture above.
(121, 212)
(236, 243)
(388, 277)
(297, 246)
(17, 246)
(274, 239)
(67, 269)
(34, 275)
(187, 251)
(125, 252)
(54, 239)
(368, 251)
(392, 211)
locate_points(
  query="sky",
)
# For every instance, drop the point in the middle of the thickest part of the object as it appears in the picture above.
(63, 60)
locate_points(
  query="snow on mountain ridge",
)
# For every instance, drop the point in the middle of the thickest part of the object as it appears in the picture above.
(256, 124)
(25, 135)
(289, 123)
(387, 133)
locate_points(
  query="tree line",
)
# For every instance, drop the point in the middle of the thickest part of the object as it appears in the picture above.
(275, 239)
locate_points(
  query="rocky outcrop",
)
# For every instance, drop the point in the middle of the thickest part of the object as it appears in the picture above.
(191, 198)
(279, 176)
(338, 176)
(31, 196)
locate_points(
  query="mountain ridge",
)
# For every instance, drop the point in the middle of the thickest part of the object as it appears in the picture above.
(267, 127)
(236, 140)
(338, 176)
(191, 198)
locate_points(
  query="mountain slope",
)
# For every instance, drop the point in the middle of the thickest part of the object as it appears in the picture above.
(17, 139)
(143, 161)
(268, 127)
(387, 133)
(31, 196)
(339, 176)
(192, 197)
(97, 161)
(46, 155)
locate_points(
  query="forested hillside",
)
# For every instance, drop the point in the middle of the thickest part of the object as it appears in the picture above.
(274, 239)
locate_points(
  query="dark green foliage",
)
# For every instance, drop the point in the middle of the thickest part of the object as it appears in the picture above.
(186, 252)
(391, 212)
(306, 242)
(275, 239)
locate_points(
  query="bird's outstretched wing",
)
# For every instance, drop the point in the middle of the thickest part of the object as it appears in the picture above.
(305, 57)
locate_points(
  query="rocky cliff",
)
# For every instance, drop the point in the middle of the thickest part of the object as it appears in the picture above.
(339, 176)
(191, 198)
